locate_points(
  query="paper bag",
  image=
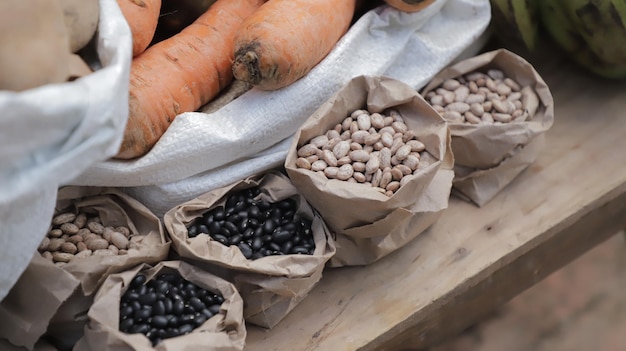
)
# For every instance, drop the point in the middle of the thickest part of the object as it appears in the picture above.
(357, 213)
(485, 154)
(272, 285)
(114, 208)
(224, 331)
(26, 311)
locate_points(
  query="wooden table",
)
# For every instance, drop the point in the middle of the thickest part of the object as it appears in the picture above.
(475, 259)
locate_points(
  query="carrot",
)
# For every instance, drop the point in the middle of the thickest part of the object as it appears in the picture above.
(142, 17)
(409, 5)
(285, 39)
(181, 73)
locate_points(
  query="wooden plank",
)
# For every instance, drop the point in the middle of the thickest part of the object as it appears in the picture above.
(578, 179)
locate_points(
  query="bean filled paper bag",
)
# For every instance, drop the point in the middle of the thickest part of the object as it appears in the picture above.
(271, 286)
(369, 224)
(224, 331)
(490, 156)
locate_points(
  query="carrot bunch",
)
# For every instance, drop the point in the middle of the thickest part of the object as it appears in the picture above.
(181, 73)
(268, 44)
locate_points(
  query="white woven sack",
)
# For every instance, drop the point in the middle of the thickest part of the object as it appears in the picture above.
(51, 134)
(200, 152)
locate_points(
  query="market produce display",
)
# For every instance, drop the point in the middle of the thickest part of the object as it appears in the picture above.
(593, 33)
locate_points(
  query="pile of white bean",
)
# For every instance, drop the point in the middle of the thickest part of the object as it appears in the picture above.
(376, 149)
(482, 98)
(74, 236)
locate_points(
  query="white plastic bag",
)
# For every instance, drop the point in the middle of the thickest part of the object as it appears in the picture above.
(200, 152)
(51, 134)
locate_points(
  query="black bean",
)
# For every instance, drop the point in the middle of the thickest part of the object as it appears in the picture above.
(185, 329)
(207, 313)
(173, 321)
(235, 239)
(152, 333)
(232, 227)
(264, 206)
(200, 318)
(126, 311)
(220, 238)
(275, 214)
(188, 310)
(137, 281)
(140, 328)
(142, 314)
(142, 290)
(178, 307)
(300, 250)
(215, 309)
(171, 332)
(135, 305)
(192, 231)
(208, 300)
(273, 246)
(254, 212)
(214, 227)
(266, 238)
(196, 303)
(168, 277)
(287, 205)
(130, 295)
(257, 255)
(234, 218)
(203, 229)
(208, 219)
(159, 321)
(156, 340)
(158, 308)
(186, 318)
(225, 231)
(269, 226)
(148, 299)
(245, 250)
(253, 223)
(286, 247)
(219, 214)
(232, 200)
(167, 302)
(281, 236)
(126, 324)
(240, 206)
(258, 232)
(248, 233)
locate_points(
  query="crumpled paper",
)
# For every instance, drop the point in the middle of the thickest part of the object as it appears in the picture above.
(201, 152)
(49, 135)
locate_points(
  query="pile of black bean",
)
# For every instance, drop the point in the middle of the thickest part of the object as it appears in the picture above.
(257, 227)
(165, 307)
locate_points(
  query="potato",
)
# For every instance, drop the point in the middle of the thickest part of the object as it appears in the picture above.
(34, 44)
(81, 20)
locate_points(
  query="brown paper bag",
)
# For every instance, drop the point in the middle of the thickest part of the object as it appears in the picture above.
(223, 332)
(270, 286)
(114, 208)
(32, 302)
(369, 225)
(485, 154)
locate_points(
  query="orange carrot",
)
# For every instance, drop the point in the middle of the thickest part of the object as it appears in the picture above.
(181, 73)
(142, 17)
(285, 39)
(409, 5)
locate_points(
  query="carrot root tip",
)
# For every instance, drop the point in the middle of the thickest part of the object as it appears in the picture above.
(246, 67)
